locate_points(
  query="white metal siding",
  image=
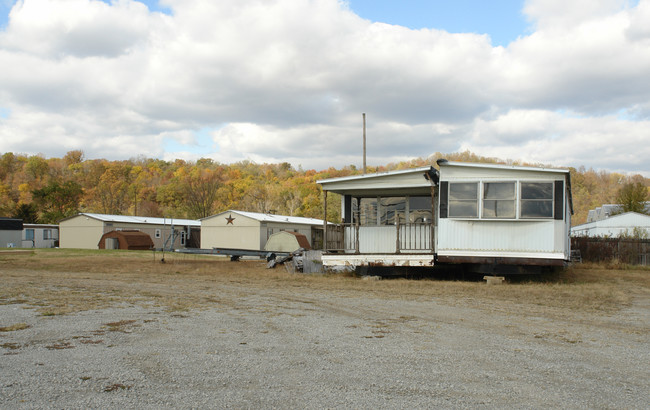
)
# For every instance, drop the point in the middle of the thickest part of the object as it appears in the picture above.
(499, 236)
(377, 239)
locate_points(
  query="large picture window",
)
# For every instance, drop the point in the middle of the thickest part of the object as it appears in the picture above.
(499, 200)
(463, 200)
(536, 200)
(502, 200)
(420, 209)
(376, 211)
(368, 211)
(392, 208)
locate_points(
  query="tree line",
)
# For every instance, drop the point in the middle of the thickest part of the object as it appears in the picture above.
(46, 190)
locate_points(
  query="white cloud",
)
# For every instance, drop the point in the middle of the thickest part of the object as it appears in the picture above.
(287, 80)
(551, 138)
(550, 14)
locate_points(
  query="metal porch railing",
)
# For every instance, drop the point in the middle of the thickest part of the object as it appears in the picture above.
(398, 238)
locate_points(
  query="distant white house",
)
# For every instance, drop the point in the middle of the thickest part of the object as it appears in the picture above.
(629, 223)
(86, 229)
(40, 236)
(250, 230)
(607, 210)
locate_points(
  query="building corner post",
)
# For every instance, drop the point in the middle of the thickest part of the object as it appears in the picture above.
(325, 221)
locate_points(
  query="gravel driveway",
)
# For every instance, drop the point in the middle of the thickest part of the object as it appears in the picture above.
(282, 349)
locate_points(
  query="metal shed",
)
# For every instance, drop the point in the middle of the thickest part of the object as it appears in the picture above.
(287, 241)
(129, 240)
(250, 230)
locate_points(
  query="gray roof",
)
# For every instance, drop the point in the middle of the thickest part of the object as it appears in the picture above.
(299, 220)
(443, 163)
(140, 219)
(607, 210)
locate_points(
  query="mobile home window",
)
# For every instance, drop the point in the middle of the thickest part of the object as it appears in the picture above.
(499, 200)
(420, 209)
(390, 209)
(463, 200)
(368, 211)
(537, 200)
(47, 234)
(29, 234)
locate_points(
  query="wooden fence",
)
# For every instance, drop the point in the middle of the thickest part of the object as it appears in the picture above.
(631, 251)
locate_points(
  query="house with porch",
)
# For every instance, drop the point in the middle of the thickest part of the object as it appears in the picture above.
(486, 217)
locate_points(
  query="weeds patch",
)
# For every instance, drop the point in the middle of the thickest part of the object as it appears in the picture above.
(10, 346)
(121, 326)
(116, 387)
(91, 342)
(60, 345)
(17, 326)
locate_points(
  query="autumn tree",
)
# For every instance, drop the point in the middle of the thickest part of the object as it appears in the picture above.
(36, 167)
(57, 201)
(632, 197)
(200, 189)
(27, 212)
(112, 191)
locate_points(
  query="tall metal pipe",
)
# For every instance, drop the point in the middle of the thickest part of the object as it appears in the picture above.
(364, 143)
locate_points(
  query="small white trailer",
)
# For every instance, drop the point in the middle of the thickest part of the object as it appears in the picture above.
(486, 217)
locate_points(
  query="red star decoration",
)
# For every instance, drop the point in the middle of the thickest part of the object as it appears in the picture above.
(230, 219)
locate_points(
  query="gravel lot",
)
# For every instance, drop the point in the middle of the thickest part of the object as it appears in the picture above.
(288, 348)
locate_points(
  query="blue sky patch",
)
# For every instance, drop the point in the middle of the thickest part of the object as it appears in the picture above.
(204, 144)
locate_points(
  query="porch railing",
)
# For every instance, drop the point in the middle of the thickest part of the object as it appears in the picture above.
(398, 238)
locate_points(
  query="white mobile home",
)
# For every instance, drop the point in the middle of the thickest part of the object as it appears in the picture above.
(250, 230)
(86, 229)
(482, 215)
(40, 236)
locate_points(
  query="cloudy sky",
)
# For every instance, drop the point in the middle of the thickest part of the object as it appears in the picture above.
(561, 82)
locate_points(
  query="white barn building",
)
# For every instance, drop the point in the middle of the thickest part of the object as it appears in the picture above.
(84, 230)
(250, 230)
(629, 223)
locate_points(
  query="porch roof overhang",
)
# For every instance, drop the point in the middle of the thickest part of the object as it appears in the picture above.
(416, 181)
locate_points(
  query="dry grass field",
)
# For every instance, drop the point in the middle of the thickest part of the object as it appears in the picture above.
(121, 329)
(60, 281)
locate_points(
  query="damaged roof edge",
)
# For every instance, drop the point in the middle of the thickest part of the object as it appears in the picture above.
(375, 175)
(443, 162)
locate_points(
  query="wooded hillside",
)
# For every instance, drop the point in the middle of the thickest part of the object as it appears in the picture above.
(45, 190)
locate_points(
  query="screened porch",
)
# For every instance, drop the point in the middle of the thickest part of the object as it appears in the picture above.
(384, 225)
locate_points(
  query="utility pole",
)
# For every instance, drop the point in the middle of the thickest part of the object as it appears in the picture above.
(364, 142)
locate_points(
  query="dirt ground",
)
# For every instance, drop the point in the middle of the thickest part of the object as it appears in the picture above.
(122, 329)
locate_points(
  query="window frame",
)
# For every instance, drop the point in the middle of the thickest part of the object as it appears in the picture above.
(523, 200)
(513, 200)
(555, 203)
(476, 200)
(372, 208)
